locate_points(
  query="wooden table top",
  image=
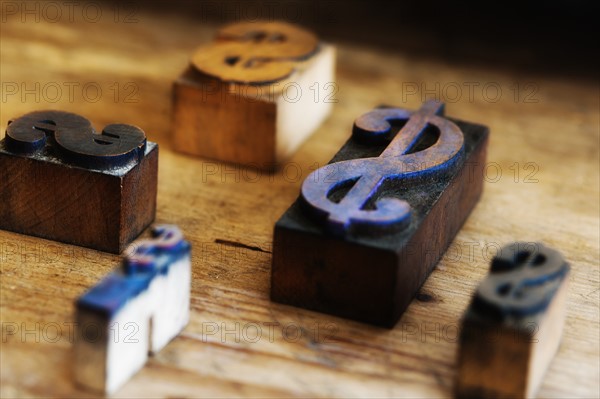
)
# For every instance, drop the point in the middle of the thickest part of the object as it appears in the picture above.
(542, 184)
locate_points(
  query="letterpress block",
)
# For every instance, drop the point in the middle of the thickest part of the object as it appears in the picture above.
(254, 95)
(368, 228)
(62, 181)
(513, 326)
(134, 311)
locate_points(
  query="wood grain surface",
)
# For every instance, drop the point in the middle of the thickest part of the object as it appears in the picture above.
(545, 128)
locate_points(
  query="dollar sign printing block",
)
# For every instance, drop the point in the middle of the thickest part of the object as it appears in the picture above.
(513, 326)
(253, 95)
(134, 311)
(368, 228)
(63, 181)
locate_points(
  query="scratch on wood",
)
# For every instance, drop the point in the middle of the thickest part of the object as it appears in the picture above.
(240, 245)
(424, 297)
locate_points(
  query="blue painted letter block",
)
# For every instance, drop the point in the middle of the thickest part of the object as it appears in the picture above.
(134, 311)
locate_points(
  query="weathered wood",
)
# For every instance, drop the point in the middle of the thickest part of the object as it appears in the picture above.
(513, 327)
(368, 258)
(254, 95)
(228, 215)
(62, 181)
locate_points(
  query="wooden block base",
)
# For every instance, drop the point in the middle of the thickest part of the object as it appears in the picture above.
(101, 209)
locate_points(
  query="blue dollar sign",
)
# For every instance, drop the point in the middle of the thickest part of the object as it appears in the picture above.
(361, 209)
(144, 254)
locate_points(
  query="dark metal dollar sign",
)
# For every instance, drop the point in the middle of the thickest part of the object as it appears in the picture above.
(77, 140)
(365, 207)
(523, 280)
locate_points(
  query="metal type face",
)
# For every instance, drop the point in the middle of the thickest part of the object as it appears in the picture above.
(75, 139)
(523, 279)
(364, 207)
(255, 53)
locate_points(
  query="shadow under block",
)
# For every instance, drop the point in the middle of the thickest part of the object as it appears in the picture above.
(133, 312)
(105, 209)
(373, 279)
(249, 122)
(507, 346)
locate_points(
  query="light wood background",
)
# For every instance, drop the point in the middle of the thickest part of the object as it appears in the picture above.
(545, 125)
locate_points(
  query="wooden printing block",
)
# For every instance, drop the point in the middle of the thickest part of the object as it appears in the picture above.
(61, 181)
(369, 227)
(513, 326)
(253, 95)
(133, 312)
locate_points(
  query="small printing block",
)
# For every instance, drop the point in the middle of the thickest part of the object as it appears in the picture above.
(133, 312)
(253, 95)
(62, 181)
(368, 228)
(513, 326)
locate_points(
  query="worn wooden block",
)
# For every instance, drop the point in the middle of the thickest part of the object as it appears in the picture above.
(62, 181)
(513, 326)
(254, 95)
(369, 227)
(134, 311)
